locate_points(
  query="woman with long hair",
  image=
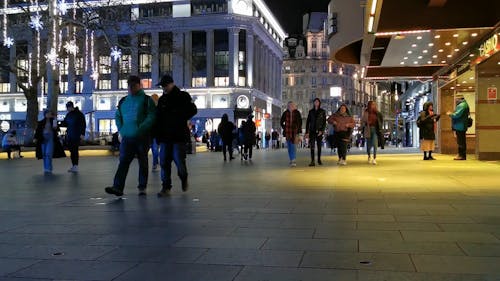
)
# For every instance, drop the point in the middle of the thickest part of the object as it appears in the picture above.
(372, 122)
(343, 124)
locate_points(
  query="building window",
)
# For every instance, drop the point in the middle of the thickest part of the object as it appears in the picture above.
(165, 62)
(145, 40)
(325, 68)
(314, 54)
(4, 87)
(103, 104)
(221, 81)
(104, 85)
(4, 106)
(222, 60)
(104, 64)
(22, 68)
(122, 84)
(155, 10)
(20, 105)
(324, 45)
(220, 101)
(63, 66)
(313, 82)
(201, 7)
(125, 66)
(107, 126)
(145, 63)
(63, 87)
(79, 66)
(78, 87)
(199, 82)
(146, 83)
(314, 45)
(200, 101)
(242, 81)
(314, 69)
(325, 81)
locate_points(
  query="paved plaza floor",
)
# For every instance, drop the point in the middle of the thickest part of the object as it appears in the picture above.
(402, 220)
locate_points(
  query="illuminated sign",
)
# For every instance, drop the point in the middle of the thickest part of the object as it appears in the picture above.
(489, 47)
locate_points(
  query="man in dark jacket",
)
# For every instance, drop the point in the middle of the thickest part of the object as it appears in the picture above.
(226, 132)
(250, 138)
(76, 125)
(175, 108)
(315, 126)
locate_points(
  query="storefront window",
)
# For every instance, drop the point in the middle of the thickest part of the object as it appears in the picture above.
(103, 104)
(4, 87)
(107, 126)
(20, 105)
(220, 101)
(200, 101)
(4, 106)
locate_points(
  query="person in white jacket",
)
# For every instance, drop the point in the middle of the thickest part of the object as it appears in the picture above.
(10, 144)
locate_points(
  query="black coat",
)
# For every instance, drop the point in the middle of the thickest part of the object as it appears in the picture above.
(75, 122)
(172, 114)
(316, 121)
(225, 130)
(58, 149)
(249, 132)
(425, 123)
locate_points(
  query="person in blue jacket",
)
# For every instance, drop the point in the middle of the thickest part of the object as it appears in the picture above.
(459, 120)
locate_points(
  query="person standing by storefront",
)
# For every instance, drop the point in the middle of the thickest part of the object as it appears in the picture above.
(371, 122)
(76, 126)
(226, 132)
(291, 123)
(343, 124)
(134, 117)
(427, 121)
(315, 128)
(175, 109)
(459, 124)
(47, 141)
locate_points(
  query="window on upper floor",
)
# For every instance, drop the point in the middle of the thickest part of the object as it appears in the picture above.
(201, 7)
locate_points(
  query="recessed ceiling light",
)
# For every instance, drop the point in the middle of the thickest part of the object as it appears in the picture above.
(456, 50)
(405, 58)
(471, 55)
(453, 88)
(472, 78)
(455, 35)
(474, 34)
(419, 37)
(414, 45)
(464, 82)
(447, 43)
(440, 50)
(415, 62)
(434, 56)
(458, 85)
(402, 62)
(443, 61)
(470, 87)
(409, 52)
(498, 62)
(420, 57)
(424, 51)
(465, 43)
(429, 62)
(437, 36)
(431, 44)
(449, 56)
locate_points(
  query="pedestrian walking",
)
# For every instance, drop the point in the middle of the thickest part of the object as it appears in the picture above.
(315, 128)
(155, 148)
(291, 123)
(371, 122)
(343, 124)
(134, 117)
(175, 109)
(267, 139)
(48, 145)
(249, 137)
(76, 126)
(226, 132)
(460, 123)
(274, 139)
(427, 122)
(10, 144)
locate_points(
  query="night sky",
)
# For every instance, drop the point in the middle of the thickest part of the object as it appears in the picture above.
(289, 12)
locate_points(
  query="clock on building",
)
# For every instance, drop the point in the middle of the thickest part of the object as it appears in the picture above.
(242, 102)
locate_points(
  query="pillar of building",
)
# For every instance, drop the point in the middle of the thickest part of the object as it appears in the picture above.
(188, 53)
(178, 57)
(234, 34)
(250, 56)
(155, 54)
(210, 58)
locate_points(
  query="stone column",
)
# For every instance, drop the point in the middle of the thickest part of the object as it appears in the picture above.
(210, 58)
(134, 56)
(233, 56)
(188, 57)
(249, 57)
(178, 57)
(155, 54)
(13, 76)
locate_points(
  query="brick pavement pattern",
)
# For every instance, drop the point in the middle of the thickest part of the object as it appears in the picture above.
(404, 219)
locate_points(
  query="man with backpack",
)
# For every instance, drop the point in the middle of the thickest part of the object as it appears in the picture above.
(134, 117)
(460, 123)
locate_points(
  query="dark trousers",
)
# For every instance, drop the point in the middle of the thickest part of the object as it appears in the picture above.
(12, 148)
(462, 144)
(315, 140)
(73, 146)
(169, 152)
(227, 146)
(248, 149)
(342, 144)
(129, 148)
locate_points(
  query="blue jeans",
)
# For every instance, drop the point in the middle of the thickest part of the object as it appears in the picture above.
(47, 153)
(129, 148)
(155, 150)
(169, 152)
(372, 142)
(292, 150)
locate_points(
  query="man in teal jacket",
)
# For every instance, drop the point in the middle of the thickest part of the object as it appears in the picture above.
(459, 120)
(134, 117)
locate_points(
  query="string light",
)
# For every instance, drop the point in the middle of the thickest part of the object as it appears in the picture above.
(116, 53)
(8, 42)
(36, 22)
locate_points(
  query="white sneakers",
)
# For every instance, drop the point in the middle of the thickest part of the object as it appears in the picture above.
(73, 169)
(372, 161)
(293, 164)
(342, 162)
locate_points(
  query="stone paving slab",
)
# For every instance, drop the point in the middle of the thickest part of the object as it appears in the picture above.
(260, 221)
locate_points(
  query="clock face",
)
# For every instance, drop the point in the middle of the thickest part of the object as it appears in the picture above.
(242, 102)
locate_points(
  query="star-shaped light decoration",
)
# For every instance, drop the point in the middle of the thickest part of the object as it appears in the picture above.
(116, 53)
(36, 22)
(71, 47)
(8, 42)
(62, 7)
(52, 57)
(94, 75)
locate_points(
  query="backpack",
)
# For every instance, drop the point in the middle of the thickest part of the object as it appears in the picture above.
(470, 121)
